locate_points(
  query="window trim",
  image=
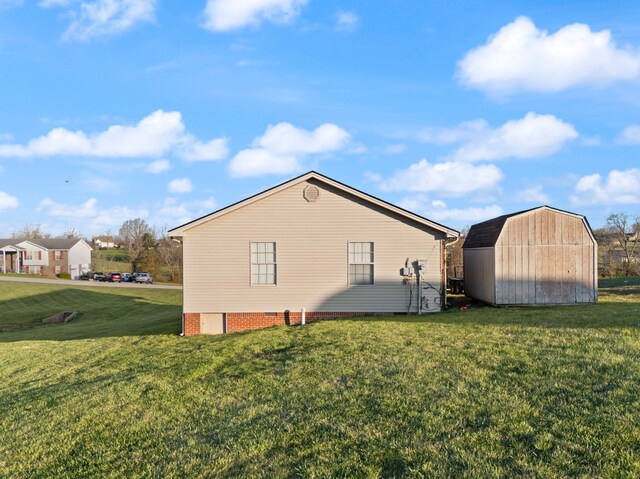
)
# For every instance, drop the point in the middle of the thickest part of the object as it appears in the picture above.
(275, 263)
(372, 264)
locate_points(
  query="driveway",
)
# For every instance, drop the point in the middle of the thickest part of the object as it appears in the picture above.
(97, 284)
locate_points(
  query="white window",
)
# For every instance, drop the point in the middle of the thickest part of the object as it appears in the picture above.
(360, 263)
(263, 263)
(58, 269)
(58, 255)
(33, 255)
(34, 269)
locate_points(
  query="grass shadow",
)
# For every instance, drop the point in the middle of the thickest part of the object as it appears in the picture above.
(108, 313)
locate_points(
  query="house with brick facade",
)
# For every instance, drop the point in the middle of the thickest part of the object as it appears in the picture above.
(311, 248)
(46, 257)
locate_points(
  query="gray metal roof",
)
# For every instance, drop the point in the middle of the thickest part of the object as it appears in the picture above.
(48, 243)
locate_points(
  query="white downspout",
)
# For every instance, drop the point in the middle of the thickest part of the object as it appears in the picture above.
(302, 316)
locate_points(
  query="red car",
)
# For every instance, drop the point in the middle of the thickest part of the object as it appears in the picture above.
(113, 277)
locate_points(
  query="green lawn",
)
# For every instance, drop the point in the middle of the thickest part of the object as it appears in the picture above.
(528, 392)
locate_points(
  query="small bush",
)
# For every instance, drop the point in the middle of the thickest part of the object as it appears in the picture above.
(64, 276)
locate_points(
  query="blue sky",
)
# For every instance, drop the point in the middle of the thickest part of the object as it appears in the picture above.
(459, 111)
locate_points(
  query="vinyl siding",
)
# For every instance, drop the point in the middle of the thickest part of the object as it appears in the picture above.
(312, 241)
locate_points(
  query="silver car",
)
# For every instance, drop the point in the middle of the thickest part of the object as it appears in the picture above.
(143, 278)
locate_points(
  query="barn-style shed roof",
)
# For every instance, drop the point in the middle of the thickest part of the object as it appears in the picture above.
(486, 234)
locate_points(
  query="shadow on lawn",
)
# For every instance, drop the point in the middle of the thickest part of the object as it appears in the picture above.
(607, 313)
(100, 315)
(611, 315)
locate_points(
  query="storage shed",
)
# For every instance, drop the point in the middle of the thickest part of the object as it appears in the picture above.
(538, 256)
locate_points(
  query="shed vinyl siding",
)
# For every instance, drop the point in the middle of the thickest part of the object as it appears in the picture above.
(313, 263)
(542, 256)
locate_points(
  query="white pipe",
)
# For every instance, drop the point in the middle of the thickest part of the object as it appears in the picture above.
(302, 314)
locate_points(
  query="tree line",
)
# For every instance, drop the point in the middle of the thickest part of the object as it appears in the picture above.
(618, 251)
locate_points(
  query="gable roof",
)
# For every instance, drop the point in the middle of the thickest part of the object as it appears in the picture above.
(47, 243)
(109, 239)
(178, 231)
(486, 234)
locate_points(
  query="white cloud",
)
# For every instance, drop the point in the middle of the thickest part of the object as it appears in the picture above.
(158, 166)
(7, 201)
(395, 149)
(180, 185)
(591, 141)
(104, 17)
(226, 15)
(620, 187)
(465, 131)
(347, 21)
(520, 57)
(85, 210)
(533, 195)
(210, 151)
(533, 136)
(258, 162)
(629, 136)
(95, 219)
(173, 212)
(447, 178)
(283, 147)
(437, 210)
(155, 135)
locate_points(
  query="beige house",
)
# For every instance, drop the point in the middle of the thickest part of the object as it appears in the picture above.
(311, 244)
(539, 256)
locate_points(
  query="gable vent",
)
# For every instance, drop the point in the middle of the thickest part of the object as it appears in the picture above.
(311, 193)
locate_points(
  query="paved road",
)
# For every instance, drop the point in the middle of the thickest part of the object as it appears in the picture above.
(97, 284)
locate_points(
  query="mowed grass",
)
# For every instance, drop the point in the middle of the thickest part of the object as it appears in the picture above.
(511, 392)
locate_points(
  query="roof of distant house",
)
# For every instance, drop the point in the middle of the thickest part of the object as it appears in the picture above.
(47, 243)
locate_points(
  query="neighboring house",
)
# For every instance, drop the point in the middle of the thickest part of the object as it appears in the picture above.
(48, 257)
(104, 242)
(538, 256)
(312, 243)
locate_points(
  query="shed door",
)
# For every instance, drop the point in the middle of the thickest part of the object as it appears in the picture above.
(211, 323)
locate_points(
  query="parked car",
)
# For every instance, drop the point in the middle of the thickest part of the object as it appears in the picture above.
(127, 277)
(86, 276)
(114, 277)
(98, 276)
(143, 278)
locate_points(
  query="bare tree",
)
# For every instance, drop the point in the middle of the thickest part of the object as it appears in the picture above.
(31, 232)
(608, 264)
(135, 235)
(455, 267)
(170, 253)
(71, 233)
(622, 229)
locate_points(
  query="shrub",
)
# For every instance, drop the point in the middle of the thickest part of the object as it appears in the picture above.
(64, 276)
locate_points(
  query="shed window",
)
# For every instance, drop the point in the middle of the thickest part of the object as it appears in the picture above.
(263, 263)
(360, 263)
